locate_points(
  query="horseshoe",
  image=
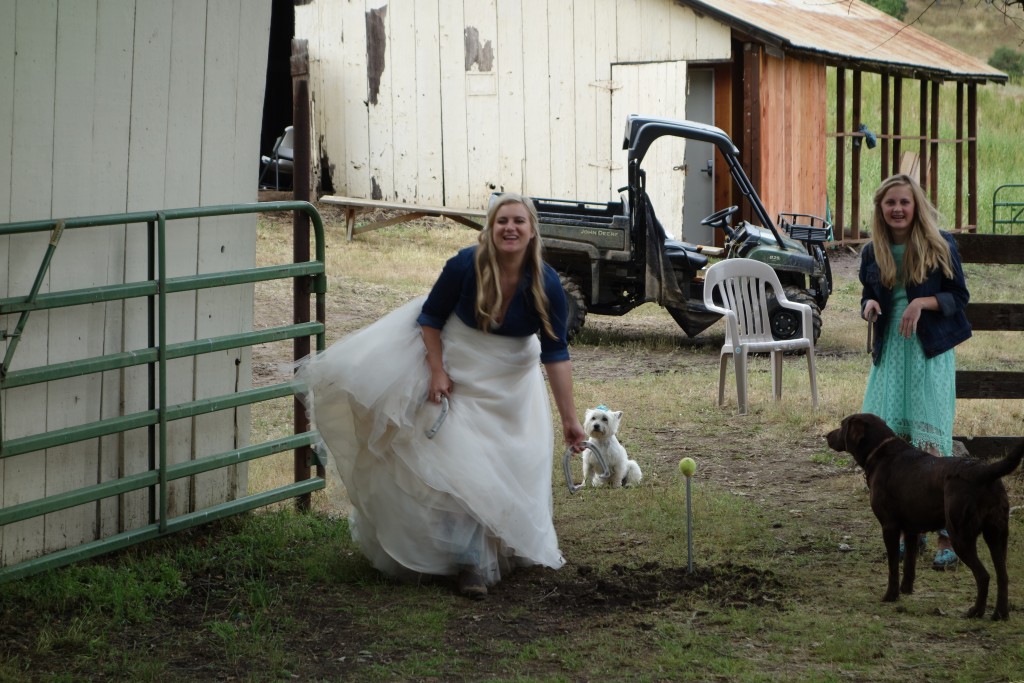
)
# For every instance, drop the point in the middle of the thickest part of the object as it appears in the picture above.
(573, 488)
(440, 418)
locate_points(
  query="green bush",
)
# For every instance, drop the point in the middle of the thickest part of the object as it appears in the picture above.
(1010, 61)
(895, 8)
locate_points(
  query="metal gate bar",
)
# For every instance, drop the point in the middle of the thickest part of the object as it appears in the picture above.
(1008, 212)
(155, 356)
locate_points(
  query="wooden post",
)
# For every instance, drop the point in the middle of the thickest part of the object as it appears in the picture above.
(972, 156)
(959, 215)
(933, 171)
(922, 131)
(858, 143)
(838, 223)
(886, 148)
(897, 123)
(751, 148)
(301, 290)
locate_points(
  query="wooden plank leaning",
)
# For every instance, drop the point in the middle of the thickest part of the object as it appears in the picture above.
(472, 218)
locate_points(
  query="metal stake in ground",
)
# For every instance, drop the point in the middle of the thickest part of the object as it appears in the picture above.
(687, 467)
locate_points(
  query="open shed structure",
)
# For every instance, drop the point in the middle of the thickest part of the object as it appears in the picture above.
(443, 102)
(780, 43)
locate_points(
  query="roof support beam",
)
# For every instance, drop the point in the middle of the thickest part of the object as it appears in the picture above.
(959, 214)
(839, 219)
(972, 157)
(855, 226)
(847, 221)
(751, 147)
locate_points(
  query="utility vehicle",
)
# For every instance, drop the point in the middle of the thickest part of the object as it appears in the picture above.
(615, 256)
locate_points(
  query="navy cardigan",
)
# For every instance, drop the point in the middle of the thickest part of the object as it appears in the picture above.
(455, 292)
(939, 331)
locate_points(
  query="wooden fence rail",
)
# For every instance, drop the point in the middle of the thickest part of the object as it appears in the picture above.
(997, 384)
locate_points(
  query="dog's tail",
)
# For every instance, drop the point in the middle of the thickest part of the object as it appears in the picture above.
(1001, 468)
(633, 474)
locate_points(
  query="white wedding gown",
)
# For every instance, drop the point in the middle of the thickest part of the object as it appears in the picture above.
(478, 492)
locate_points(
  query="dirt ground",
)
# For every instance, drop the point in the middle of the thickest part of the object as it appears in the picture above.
(558, 601)
(314, 626)
(535, 603)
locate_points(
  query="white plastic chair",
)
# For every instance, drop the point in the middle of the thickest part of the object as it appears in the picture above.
(281, 158)
(744, 288)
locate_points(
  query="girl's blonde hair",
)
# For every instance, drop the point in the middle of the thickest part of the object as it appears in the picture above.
(926, 248)
(488, 292)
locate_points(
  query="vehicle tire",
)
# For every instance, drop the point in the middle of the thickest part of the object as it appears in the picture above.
(828, 269)
(576, 304)
(786, 323)
(825, 287)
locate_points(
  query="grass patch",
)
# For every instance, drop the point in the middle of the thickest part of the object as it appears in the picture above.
(786, 554)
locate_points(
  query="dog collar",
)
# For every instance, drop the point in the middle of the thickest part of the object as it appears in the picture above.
(878, 447)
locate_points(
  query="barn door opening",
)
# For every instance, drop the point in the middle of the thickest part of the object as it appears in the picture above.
(655, 89)
(700, 159)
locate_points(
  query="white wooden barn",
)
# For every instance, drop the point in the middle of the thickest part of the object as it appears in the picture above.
(111, 107)
(441, 102)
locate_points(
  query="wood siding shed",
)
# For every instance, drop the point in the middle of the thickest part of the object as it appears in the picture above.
(107, 108)
(441, 102)
(802, 40)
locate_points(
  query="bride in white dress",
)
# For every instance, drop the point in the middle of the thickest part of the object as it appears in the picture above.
(475, 499)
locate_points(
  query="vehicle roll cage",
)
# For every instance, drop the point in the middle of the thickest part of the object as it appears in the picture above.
(642, 131)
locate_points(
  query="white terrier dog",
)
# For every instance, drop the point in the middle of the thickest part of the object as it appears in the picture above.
(601, 425)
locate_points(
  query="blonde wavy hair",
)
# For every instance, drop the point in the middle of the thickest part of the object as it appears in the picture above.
(926, 248)
(488, 292)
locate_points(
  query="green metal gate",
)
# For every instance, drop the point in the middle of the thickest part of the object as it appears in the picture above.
(309, 277)
(1007, 209)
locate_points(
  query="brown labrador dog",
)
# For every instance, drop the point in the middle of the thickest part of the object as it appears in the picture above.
(913, 491)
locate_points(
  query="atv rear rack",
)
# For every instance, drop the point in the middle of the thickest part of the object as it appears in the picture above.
(806, 227)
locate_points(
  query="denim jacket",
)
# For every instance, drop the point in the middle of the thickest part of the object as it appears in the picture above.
(938, 331)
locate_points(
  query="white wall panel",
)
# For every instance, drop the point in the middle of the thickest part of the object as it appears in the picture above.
(657, 89)
(356, 116)
(182, 188)
(401, 68)
(147, 180)
(110, 106)
(32, 152)
(536, 98)
(512, 97)
(254, 31)
(115, 28)
(562, 85)
(588, 95)
(7, 27)
(655, 30)
(454, 122)
(221, 243)
(539, 123)
(483, 101)
(80, 261)
(711, 39)
(429, 144)
(609, 164)
(6, 169)
(382, 122)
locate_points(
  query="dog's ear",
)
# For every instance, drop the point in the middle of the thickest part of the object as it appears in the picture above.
(618, 415)
(855, 428)
(586, 415)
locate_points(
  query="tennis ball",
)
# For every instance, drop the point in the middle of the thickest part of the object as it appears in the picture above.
(687, 467)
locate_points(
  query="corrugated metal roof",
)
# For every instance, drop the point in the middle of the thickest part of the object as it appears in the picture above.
(847, 33)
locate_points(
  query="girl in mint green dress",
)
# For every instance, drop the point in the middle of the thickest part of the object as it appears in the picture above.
(915, 294)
